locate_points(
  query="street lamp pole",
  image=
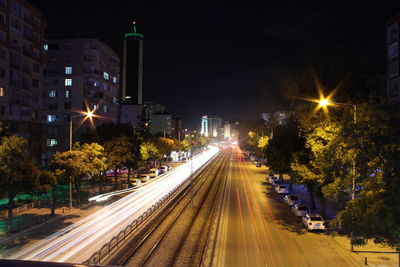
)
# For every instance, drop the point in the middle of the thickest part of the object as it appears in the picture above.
(70, 149)
(326, 102)
(88, 114)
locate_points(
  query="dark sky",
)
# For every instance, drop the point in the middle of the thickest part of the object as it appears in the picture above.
(224, 59)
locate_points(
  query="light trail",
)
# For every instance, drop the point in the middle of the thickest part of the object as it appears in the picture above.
(77, 242)
(276, 224)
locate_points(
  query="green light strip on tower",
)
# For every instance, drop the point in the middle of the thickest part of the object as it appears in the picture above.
(134, 35)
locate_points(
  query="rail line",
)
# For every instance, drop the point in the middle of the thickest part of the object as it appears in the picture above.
(176, 237)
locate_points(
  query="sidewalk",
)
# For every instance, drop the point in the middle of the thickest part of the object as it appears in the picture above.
(36, 216)
(372, 254)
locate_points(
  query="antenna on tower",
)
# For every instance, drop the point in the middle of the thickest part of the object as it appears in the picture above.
(134, 26)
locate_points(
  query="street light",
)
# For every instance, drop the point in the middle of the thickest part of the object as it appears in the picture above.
(87, 115)
(323, 102)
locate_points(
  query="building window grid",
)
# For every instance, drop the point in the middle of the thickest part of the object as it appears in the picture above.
(68, 82)
(52, 93)
(68, 70)
(52, 142)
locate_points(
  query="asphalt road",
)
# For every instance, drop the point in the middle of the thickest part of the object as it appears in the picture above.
(257, 229)
(77, 242)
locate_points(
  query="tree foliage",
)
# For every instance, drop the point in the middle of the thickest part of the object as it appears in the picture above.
(17, 172)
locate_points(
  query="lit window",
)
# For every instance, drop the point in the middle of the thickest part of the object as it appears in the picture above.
(68, 70)
(52, 142)
(105, 109)
(51, 118)
(46, 47)
(68, 82)
(106, 76)
(52, 93)
(67, 94)
(95, 106)
(115, 80)
(1, 91)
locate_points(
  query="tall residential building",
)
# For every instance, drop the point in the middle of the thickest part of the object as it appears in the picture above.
(132, 68)
(392, 48)
(131, 98)
(81, 75)
(21, 71)
(210, 126)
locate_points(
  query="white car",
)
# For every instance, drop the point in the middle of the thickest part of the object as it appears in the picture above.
(300, 210)
(313, 222)
(165, 168)
(144, 177)
(282, 189)
(291, 200)
(153, 172)
(135, 183)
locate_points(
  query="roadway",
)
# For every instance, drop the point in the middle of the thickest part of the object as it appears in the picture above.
(257, 229)
(77, 242)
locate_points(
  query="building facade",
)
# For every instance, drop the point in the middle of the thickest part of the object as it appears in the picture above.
(21, 71)
(158, 119)
(177, 128)
(392, 49)
(80, 75)
(210, 126)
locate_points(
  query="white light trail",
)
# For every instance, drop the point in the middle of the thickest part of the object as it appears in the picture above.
(77, 242)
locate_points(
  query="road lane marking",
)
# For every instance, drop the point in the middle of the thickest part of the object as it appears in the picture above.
(241, 220)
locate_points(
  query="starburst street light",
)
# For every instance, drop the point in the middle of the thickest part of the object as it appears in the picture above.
(323, 102)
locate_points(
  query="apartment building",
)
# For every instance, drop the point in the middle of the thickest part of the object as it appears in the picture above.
(80, 75)
(21, 71)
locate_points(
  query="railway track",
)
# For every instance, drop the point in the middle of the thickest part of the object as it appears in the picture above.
(178, 236)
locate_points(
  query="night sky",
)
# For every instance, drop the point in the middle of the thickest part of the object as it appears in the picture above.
(229, 60)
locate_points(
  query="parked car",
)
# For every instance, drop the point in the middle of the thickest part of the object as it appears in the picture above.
(300, 210)
(153, 172)
(252, 158)
(135, 183)
(291, 200)
(282, 189)
(165, 168)
(144, 177)
(258, 164)
(313, 222)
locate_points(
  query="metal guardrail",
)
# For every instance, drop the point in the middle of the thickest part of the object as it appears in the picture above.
(107, 248)
(22, 208)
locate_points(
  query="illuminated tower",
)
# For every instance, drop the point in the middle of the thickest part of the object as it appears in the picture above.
(132, 68)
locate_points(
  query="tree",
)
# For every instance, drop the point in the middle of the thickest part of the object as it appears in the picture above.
(165, 146)
(120, 153)
(16, 170)
(375, 213)
(149, 151)
(328, 159)
(95, 159)
(285, 141)
(47, 181)
(73, 164)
